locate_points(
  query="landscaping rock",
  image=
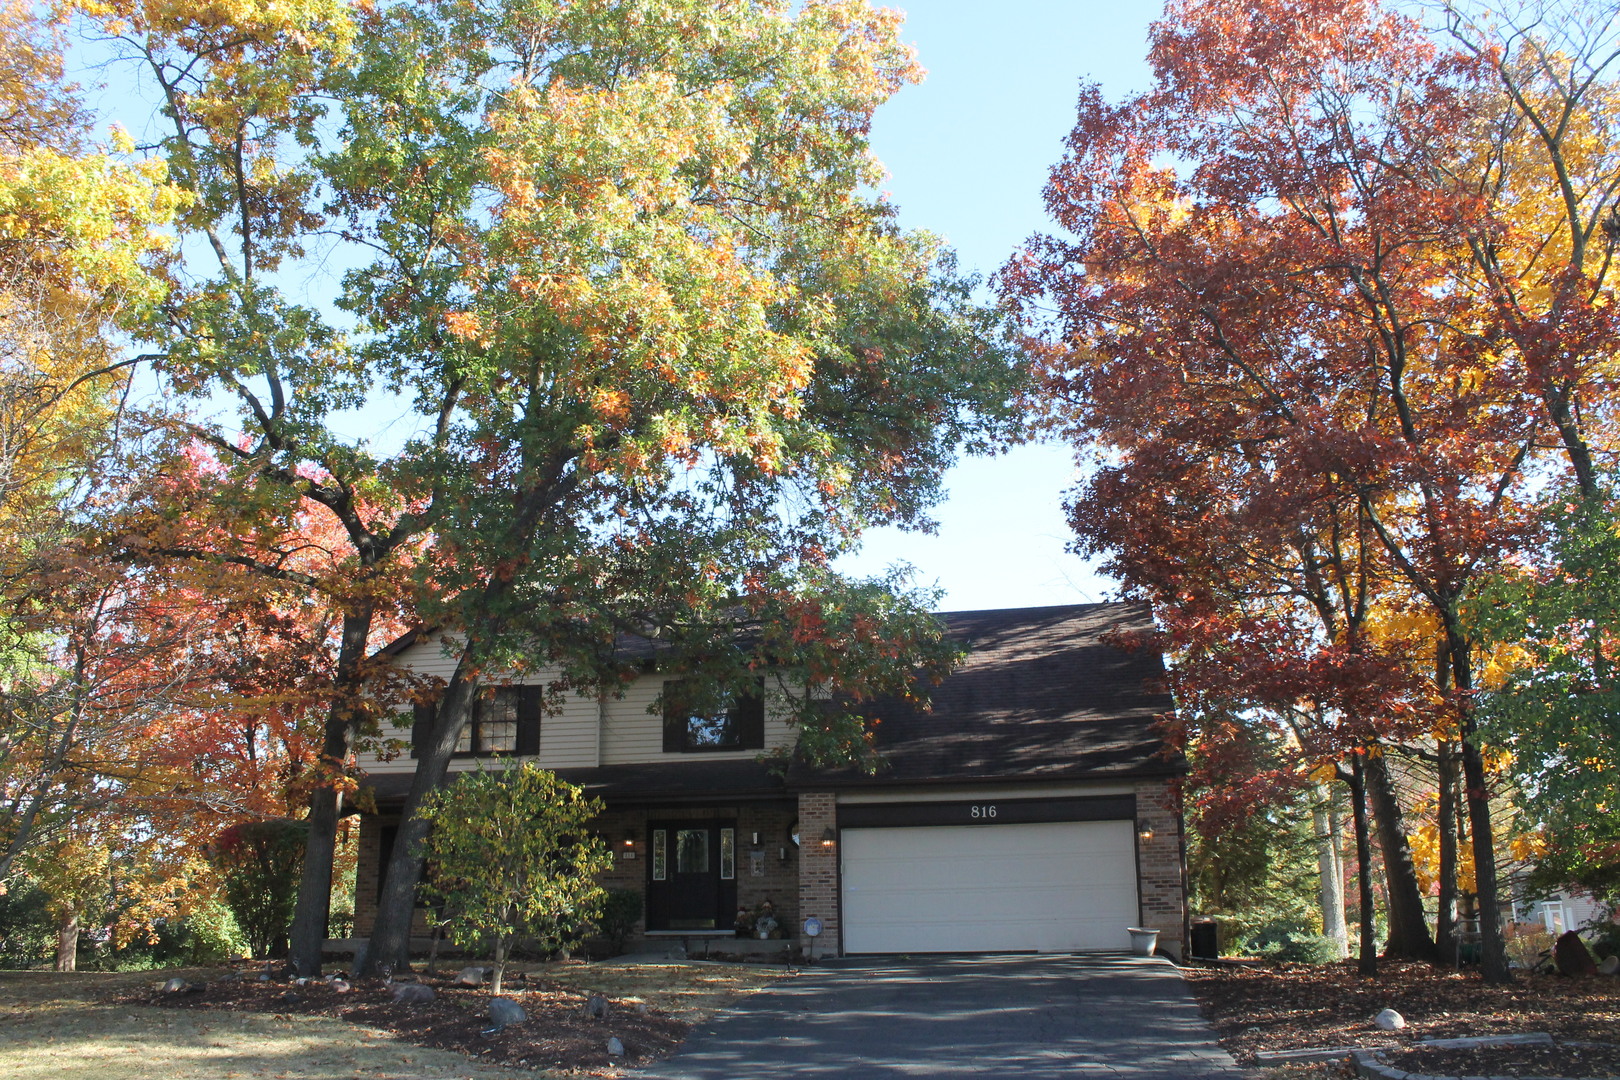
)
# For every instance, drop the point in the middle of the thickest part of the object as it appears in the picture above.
(1610, 965)
(596, 1007)
(643, 1009)
(1571, 956)
(504, 1011)
(615, 1048)
(472, 976)
(175, 985)
(412, 993)
(340, 987)
(1389, 1020)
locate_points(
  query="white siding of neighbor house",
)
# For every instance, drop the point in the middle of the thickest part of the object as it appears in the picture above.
(588, 731)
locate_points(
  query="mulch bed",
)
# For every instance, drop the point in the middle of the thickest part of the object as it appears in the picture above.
(1294, 1007)
(558, 1034)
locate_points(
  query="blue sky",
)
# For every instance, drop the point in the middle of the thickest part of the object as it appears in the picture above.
(968, 152)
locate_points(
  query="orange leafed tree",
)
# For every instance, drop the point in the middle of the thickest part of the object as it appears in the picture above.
(1295, 305)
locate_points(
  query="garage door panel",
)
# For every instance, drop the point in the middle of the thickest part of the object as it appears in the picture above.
(1060, 886)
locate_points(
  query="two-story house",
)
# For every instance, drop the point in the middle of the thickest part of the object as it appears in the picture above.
(1031, 808)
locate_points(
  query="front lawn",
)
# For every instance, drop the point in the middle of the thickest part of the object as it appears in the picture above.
(120, 1027)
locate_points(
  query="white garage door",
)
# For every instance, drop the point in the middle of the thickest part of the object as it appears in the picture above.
(1051, 887)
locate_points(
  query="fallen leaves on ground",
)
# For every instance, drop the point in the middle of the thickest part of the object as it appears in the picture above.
(1295, 1007)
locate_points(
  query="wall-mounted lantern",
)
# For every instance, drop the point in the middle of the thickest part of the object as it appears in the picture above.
(828, 837)
(1144, 829)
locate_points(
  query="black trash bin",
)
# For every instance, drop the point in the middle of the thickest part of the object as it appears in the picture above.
(1206, 939)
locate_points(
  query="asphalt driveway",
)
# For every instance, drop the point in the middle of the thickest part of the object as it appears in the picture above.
(1031, 1017)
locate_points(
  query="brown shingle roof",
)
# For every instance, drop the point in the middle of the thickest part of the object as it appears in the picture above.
(1040, 696)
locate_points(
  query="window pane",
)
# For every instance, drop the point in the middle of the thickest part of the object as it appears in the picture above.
(728, 854)
(658, 855)
(708, 732)
(691, 851)
(498, 737)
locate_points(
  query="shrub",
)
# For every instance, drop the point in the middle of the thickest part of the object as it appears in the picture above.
(27, 930)
(260, 862)
(511, 856)
(1292, 942)
(1527, 944)
(1602, 934)
(620, 910)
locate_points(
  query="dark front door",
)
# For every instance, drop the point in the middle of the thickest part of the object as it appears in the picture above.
(692, 875)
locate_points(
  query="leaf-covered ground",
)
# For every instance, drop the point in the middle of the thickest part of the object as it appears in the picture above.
(122, 1027)
(1293, 1007)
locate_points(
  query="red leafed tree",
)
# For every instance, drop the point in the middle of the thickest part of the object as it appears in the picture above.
(1270, 319)
(152, 700)
(255, 593)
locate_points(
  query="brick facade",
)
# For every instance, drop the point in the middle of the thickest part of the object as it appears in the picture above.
(818, 870)
(1161, 870)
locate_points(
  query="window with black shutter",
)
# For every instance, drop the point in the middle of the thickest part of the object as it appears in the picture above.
(733, 722)
(503, 723)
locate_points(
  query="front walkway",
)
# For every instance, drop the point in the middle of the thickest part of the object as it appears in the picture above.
(1030, 1017)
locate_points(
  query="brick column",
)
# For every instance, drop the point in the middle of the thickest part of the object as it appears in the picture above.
(818, 870)
(1161, 873)
(368, 875)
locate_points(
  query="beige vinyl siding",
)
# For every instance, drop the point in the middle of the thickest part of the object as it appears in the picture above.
(568, 739)
(632, 735)
(588, 731)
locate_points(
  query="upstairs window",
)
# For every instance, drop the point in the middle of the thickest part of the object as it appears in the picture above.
(503, 723)
(724, 720)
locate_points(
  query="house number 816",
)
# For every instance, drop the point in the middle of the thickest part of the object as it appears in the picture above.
(984, 811)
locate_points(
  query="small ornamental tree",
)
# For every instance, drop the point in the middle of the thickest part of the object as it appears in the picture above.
(259, 863)
(510, 855)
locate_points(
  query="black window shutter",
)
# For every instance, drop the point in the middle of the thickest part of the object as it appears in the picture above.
(748, 718)
(674, 719)
(421, 727)
(528, 719)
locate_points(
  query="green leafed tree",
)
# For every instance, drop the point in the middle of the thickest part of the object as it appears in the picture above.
(1558, 713)
(695, 355)
(512, 857)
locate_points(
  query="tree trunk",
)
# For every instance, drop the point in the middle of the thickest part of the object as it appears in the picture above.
(501, 943)
(1367, 957)
(390, 944)
(1445, 923)
(67, 942)
(308, 932)
(1408, 925)
(1493, 964)
(1330, 871)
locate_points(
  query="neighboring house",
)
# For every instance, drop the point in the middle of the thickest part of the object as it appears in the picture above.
(1565, 910)
(1030, 809)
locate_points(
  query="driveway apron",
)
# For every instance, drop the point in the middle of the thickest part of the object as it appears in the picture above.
(1030, 1017)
